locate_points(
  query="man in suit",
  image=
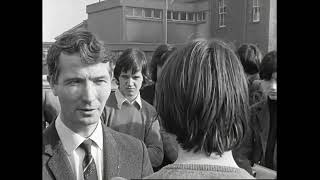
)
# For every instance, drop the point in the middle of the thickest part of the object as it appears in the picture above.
(77, 145)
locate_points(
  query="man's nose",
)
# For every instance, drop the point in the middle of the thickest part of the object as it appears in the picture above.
(130, 82)
(273, 85)
(89, 92)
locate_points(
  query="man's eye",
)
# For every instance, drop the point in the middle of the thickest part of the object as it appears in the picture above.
(100, 81)
(74, 82)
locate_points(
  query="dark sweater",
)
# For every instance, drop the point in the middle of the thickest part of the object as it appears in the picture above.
(140, 123)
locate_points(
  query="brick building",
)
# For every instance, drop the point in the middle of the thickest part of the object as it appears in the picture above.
(45, 47)
(140, 23)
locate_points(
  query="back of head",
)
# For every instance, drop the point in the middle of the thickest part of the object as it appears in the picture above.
(134, 60)
(159, 57)
(268, 65)
(202, 97)
(90, 49)
(250, 57)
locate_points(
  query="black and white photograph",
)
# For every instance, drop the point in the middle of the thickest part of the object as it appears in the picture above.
(159, 89)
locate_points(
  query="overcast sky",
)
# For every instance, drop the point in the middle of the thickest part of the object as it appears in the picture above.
(59, 16)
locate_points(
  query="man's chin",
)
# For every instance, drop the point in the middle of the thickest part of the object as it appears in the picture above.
(273, 97)
(89, 120)
(131, 95)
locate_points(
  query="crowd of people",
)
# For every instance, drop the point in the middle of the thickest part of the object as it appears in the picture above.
(202, 111)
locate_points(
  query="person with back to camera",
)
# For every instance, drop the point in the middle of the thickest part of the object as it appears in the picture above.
(250, 57)
(260, 145)
(126, 112)
(202, 98)
(76, 145)
(160, 56)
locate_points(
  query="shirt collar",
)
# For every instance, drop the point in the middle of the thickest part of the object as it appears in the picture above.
(72, 140)
(121, 99)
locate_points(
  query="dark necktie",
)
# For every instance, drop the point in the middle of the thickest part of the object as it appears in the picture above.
(88, 165)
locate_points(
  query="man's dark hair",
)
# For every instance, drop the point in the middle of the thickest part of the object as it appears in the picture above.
(202, 97)
(250, 57)
(268, 65)
(134, 60)
(90, 49)
(159, 57)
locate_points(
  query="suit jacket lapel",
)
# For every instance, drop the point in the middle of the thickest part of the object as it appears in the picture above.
(58, 163)
(110, 154)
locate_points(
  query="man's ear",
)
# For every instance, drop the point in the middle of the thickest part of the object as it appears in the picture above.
(52, 85)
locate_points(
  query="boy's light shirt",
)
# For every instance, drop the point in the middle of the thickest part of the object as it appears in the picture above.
(121, 99)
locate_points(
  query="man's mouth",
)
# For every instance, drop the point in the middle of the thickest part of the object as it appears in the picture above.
(273, 93)
(86, 109)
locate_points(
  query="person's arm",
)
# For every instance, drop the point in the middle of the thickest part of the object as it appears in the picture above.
(153, 142)
(146, 164)
(170, 145)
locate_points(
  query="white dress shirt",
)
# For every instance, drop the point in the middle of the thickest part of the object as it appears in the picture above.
(71, 141)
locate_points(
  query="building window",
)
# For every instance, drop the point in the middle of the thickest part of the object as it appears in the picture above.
(190, 16)
(256, 11)
(147, 13)
(129, 11)
(175, 15)
(169, 15)
(157, 13)
(183, 16)
(204, 13)
(199, 16)
(222, 13)
(137, 12)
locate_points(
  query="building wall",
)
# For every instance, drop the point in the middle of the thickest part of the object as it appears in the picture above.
(258, 32)
(148, 31)
(239, 25)
(273, 26)
(203, 28)
(180, 32)
(143, 3)
(107, 20)
(106, 24)
(233, 32)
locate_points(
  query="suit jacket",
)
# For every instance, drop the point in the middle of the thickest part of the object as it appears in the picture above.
(260, 119)
(254, 145)
(123, 155)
